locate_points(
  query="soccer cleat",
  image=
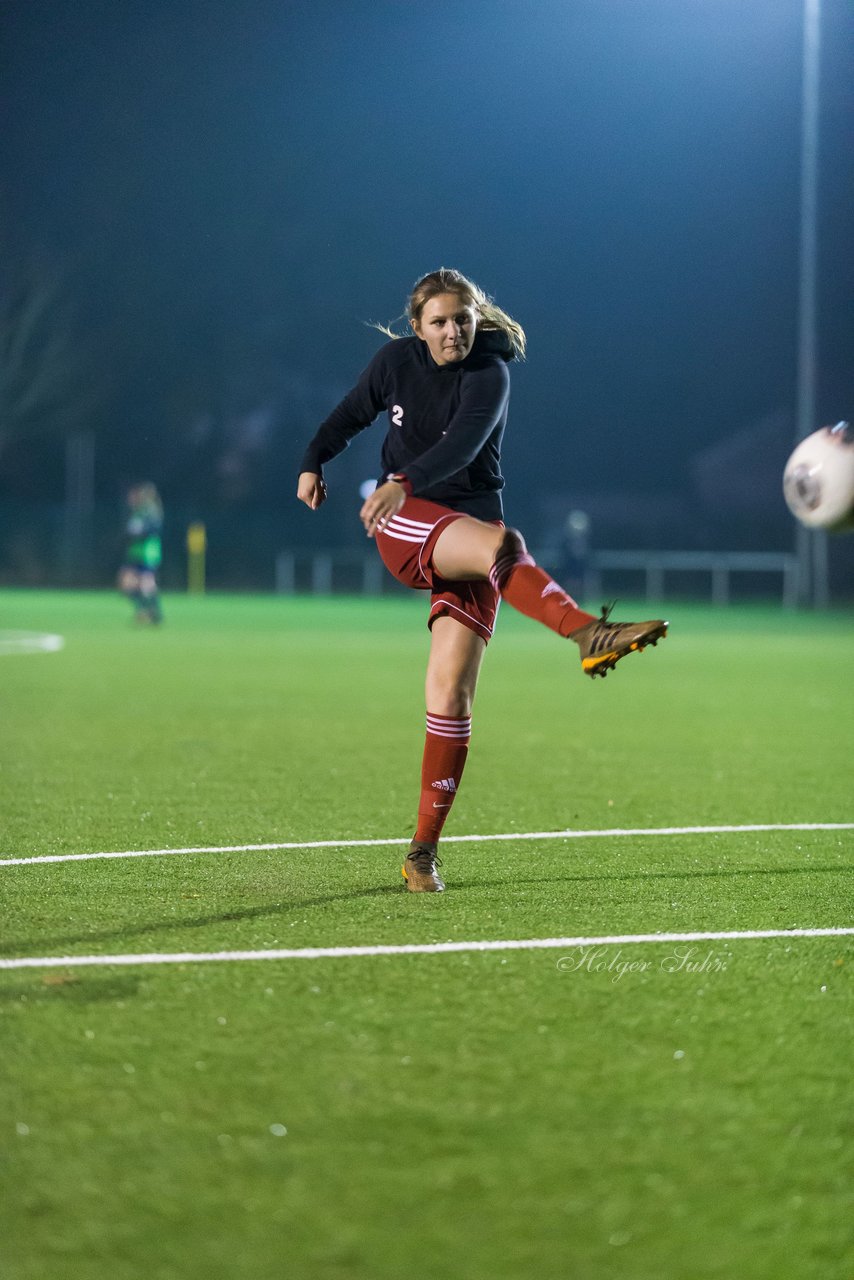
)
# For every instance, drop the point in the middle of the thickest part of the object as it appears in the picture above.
(603, 643)
(419, 869)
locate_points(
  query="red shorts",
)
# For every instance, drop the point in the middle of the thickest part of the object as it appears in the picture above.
(406, 546)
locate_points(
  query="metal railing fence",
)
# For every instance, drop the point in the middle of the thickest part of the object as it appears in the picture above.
(323, 572)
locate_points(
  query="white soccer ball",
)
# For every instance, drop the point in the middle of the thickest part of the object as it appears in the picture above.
(818, 482)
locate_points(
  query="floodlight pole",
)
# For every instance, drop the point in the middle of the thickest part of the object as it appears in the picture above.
(810, 547)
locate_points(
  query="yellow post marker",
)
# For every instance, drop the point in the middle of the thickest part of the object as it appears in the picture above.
(197, 541)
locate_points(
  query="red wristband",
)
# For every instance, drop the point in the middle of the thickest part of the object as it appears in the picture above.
(399, 478)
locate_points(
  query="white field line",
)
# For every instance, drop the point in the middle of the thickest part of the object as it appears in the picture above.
(397, 840)
(29, 642)
(413, 949)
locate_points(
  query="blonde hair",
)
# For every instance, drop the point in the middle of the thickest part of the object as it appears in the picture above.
(489, 316)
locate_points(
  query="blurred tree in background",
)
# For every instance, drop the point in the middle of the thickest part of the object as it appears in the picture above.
(46, 386)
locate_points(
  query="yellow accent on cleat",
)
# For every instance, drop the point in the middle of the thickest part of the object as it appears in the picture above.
(590, 664)
(604, 643)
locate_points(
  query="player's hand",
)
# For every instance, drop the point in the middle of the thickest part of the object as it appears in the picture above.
(385, 502)
(311, 489)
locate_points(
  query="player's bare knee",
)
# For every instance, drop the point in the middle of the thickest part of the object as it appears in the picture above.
(450, 700)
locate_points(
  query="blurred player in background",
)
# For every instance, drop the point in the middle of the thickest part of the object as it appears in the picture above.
(143, 553)
(437, 519)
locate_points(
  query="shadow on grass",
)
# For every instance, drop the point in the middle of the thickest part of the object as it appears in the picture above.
(69, 988)
(198, 922)
(283, 908)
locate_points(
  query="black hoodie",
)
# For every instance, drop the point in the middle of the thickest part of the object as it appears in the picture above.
(445, 421)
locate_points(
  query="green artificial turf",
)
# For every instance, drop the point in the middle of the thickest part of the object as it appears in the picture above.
(634, 1110)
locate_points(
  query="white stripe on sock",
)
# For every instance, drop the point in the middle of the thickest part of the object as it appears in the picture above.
(458, 729)
(503, 567)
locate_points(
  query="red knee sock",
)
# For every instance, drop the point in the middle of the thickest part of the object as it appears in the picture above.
(521, 582)
(445, 749)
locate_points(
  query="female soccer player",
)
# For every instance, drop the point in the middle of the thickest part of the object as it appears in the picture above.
(138, 574)
(436, 517)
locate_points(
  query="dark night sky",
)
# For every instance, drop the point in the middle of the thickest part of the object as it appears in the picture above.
(231, 177)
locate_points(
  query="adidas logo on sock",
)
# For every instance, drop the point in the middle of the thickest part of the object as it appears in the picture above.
(550, 590)
(445, 784)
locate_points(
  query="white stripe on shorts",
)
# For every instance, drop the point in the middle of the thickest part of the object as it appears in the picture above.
(417, 538)
(416, 524)
(406, 530)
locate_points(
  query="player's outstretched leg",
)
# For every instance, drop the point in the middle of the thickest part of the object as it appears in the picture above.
(603, 643)
(522, 583)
